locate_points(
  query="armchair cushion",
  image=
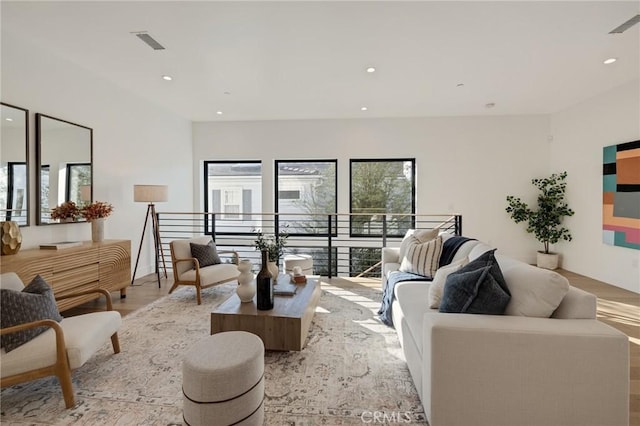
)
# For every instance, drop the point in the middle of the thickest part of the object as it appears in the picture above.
(213, 274)
(83, 336)
(35, 302)
(205, 253)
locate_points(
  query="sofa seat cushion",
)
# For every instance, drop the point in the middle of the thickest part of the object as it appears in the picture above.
(212, 274)
(535, 292)
(412, 299)
(83, 335)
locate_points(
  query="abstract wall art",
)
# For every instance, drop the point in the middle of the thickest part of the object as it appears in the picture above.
(621, 195)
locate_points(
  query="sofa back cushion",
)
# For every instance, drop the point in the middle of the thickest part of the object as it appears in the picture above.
(535, 292)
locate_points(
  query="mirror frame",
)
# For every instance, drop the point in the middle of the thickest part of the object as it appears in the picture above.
(39, 117)
(27, 162)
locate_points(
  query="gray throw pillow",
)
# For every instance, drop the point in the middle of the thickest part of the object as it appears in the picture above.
(35, 302)
(476, 288)
(205, 253)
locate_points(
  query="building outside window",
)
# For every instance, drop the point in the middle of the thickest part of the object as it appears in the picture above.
(305, 195)
(233, 192)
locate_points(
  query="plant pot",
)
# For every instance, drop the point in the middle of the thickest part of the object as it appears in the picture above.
(547, 260)
(97, 230)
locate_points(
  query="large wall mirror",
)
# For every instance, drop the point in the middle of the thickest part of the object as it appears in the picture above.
(65, 165)
(14, 161)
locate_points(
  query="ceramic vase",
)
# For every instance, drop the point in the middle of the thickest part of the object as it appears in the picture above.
(11, 237)
(97, 230)
(246, 286)
(273, 268)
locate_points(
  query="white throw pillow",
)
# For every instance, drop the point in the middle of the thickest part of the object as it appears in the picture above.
(422, 235)
(422, 258)
(437, 285)
(535, 292)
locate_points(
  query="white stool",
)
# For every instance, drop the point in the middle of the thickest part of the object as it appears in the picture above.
(223, 380)
(304, 261)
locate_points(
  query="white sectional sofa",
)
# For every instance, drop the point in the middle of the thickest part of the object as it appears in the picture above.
(507, 370)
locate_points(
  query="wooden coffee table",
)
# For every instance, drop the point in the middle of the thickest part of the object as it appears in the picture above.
(283, 328)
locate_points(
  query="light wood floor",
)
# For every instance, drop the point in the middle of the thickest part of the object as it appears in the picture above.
(616, 307)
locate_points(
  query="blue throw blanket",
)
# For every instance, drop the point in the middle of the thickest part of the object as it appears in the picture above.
(449, 250)
(384, 313)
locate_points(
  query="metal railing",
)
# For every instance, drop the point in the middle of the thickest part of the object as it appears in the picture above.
(342, 244)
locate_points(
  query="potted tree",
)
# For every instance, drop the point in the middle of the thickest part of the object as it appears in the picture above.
(545, 222)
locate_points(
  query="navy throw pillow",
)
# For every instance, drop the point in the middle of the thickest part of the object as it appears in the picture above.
(476, 288)
(205, 253)
(35, 302)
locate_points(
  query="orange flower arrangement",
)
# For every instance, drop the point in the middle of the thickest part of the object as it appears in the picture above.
(96, 210)
(66, 210)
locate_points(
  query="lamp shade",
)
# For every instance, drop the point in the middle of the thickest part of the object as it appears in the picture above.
(150, 193)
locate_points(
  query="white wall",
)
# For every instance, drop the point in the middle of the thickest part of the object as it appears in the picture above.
(579, 134)
(464, 165)
(134, 142)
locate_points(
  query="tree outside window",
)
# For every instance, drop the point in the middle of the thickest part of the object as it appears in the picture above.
(382, 188)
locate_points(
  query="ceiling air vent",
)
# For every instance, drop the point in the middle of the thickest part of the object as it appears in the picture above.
(149, 40)
(624, 27)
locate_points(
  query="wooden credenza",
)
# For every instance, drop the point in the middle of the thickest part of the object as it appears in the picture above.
(105, 265)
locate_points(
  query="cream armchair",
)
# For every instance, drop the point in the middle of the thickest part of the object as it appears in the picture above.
(65, 346)
(187, 270)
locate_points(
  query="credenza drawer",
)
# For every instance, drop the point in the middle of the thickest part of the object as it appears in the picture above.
(73, 278)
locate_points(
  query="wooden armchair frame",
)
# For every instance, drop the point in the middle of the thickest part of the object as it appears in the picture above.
(61, 368)
(196, 265)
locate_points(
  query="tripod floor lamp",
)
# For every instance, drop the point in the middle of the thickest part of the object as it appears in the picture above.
(151, 194)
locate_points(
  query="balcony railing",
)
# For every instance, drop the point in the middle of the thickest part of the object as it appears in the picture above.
(340, 244)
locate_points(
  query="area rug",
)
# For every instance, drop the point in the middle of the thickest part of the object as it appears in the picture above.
(350, 372)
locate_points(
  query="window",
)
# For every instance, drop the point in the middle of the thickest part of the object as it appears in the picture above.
(13, 192)
(382, 191)
(306, 195)
(233, 193)
(78, 177)
(363, 261)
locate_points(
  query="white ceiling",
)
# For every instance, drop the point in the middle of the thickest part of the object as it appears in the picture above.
(294, 60)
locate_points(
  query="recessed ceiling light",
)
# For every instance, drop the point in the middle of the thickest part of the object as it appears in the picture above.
(460, 85)
(9, 119)
(490, 105)
(364, 109)
(609, 61)
(371, 69)
(167, 77)
(219, 112)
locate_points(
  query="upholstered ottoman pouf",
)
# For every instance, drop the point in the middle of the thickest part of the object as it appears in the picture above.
(304, 261)
(223, 380)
